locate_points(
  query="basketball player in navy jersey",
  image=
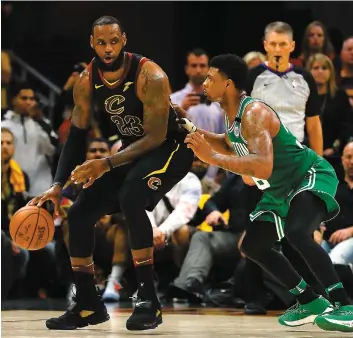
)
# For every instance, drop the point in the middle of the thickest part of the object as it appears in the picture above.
(133, 93)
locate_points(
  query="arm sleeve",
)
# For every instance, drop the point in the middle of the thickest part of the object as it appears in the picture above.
(73, 154)
(186, 207)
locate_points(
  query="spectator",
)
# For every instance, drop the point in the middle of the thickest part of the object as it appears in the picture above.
(338, 233)
(209, 185)
(335, 112)
(315, 40)
(6, 73)
(111, 253)
(14, 187)
(170, 217)
(289, 90)
(253, 59)
(192, 100)
(345, 78)
(169, 220)
(218, 248)
(34, 137)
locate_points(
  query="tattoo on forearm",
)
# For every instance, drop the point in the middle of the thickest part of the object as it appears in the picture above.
(256, 130)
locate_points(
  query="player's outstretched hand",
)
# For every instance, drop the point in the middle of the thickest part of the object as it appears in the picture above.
(52, 194)
(201, 148)
(89, 171)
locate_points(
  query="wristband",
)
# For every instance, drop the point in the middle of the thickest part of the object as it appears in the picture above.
(109, 163)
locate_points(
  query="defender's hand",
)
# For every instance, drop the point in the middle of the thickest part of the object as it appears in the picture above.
(53, 194)
(201, 148)
(89, 171)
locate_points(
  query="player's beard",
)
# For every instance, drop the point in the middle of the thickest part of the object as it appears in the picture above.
(113, 66)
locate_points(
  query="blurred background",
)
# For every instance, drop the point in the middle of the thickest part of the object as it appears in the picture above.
(44, 47)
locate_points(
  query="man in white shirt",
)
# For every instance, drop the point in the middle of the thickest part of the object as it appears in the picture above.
(34, 138)
(192, 99)
(172, 214)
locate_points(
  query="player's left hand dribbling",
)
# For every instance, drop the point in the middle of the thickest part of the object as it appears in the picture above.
(89, 171)
(201, 148)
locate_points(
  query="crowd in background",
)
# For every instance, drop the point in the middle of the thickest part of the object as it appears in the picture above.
(198, 225)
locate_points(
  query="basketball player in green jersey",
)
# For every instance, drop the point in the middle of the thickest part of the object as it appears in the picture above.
(298, 185)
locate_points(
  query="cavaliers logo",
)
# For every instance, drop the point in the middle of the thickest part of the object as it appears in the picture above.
(154, 183)
(112, 104)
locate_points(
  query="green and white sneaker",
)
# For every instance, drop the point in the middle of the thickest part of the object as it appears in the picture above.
(341, 319)
(300, 314)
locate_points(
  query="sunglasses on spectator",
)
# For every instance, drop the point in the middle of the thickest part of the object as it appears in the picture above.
(94, 150)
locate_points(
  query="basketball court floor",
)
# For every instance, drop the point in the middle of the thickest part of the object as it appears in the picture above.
(177, 323)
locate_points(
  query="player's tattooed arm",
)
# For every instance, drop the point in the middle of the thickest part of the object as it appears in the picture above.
(81, 113)
(153, 90)
(258, 128)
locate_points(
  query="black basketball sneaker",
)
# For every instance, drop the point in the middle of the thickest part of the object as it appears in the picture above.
(84, 311)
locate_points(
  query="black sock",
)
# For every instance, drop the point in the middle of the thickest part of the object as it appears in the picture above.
(85, 286)
(144, 275)
(304, 293)
(338, 294)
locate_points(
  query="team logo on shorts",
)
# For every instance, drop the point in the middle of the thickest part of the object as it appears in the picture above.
(154, 183)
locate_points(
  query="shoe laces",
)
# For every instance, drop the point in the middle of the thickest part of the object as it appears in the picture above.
(341, 312)
(293, 308)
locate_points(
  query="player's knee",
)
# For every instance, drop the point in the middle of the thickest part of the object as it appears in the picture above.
(130, 197)
(73, 216)
(296, 236)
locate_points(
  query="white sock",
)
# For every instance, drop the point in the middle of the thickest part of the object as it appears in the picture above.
(117, 271)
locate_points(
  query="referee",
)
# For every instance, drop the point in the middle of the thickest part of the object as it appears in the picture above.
(290, 90)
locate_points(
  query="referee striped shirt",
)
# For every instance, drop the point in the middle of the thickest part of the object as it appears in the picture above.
(292, 94)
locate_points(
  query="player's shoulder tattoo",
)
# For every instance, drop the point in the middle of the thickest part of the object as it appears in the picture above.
(154, 84)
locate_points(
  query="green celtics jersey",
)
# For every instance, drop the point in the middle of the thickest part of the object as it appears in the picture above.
(291, 160)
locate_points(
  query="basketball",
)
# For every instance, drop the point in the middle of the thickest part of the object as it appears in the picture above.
(32, 228)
